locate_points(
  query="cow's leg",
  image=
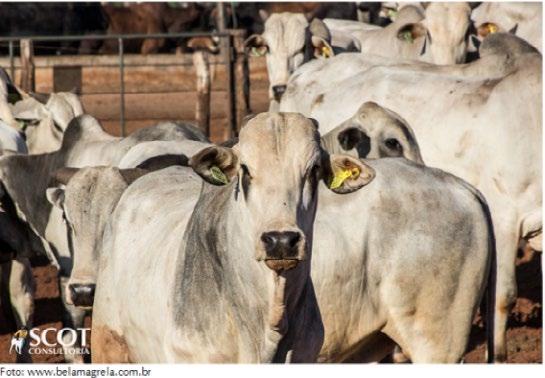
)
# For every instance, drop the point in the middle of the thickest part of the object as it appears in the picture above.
(73, 318)
(507, 240)
(21, 291)
(18, 283)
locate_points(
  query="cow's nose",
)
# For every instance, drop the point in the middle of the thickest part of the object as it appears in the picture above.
(278, 91)
(82, 294)
(281, 244)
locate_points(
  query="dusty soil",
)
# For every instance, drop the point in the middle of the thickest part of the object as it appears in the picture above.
(524, 334)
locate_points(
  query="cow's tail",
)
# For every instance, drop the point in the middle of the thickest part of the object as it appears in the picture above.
(489, 317)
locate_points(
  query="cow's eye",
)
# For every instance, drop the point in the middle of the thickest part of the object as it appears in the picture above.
(393, 144)
(315, 171)
(245, 179)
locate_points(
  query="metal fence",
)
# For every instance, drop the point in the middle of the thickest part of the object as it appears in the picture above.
(228, 53)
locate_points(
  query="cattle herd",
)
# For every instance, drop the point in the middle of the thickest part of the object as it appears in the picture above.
(377, 206)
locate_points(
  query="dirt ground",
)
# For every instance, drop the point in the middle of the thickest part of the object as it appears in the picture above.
(524, 334)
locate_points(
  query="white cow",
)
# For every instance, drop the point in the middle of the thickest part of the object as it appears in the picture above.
(481, 121)
(232, 266)
(288, 41)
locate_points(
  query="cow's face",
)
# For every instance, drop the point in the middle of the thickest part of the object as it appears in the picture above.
(288, 41)
(87, 198)
(277, 165)
(443, 32)
(376, 132)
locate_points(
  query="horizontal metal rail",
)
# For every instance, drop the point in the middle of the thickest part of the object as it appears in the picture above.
(43, 38)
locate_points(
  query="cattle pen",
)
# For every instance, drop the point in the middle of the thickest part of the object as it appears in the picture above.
(129, 91)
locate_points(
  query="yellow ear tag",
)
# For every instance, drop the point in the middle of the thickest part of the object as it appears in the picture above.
(218, 175)
(492, 28)
(326, 52)
(342, 175)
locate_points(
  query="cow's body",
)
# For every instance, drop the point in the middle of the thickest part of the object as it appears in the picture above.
(467, 120)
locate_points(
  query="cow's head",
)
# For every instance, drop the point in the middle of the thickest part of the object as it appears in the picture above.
(374, 132)
(49, 112)
(87, 198)
(443, 33)
(288, 41)
(274, 172)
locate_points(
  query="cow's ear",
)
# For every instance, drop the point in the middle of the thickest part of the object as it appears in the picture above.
(55, 196)
(345, 174)
(411, 32)
(322, 48)
(256, 45)
(216, 165)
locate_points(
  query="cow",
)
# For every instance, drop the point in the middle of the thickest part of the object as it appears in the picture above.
(522, 19)
(88, 196)
(466, 119)
(84, 144)
(44, 118)
(438, 35)
(288, 41)
(245, 241)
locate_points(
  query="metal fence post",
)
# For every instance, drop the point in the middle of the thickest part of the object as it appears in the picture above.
(11, 61)
(121, 87)
(227, 57)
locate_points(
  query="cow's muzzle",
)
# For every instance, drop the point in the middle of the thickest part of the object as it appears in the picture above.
(282, 249)
(278, 91)
(82, 295)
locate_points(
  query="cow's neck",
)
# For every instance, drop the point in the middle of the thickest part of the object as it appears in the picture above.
(237, 287)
